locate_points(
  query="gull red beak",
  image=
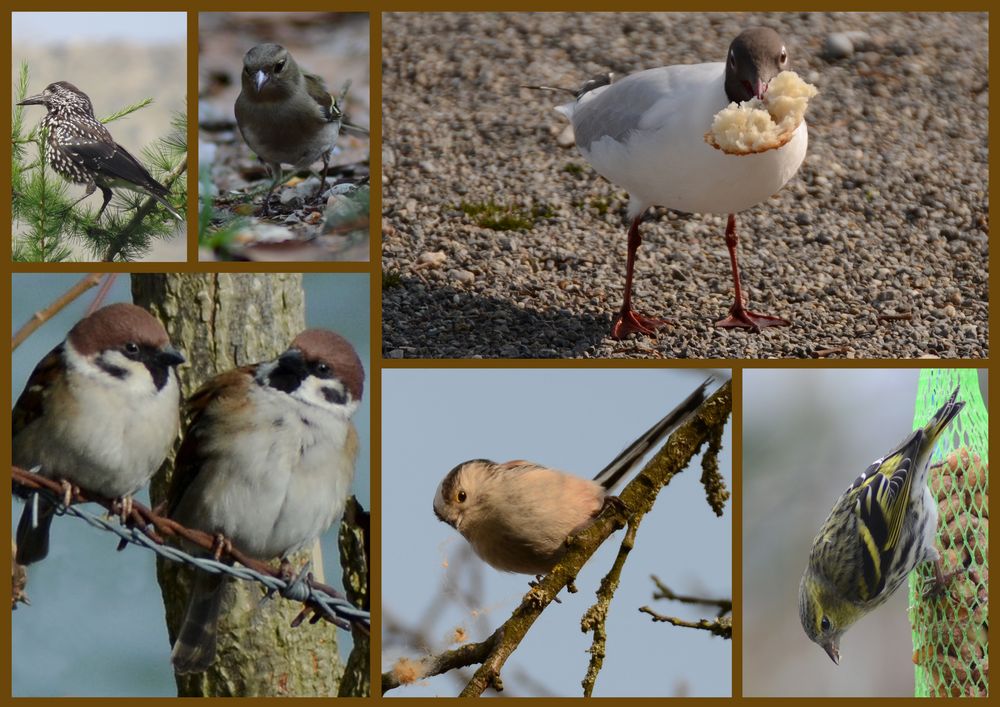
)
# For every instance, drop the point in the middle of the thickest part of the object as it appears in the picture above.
(757, 89)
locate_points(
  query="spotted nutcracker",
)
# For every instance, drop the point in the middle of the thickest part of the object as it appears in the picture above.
(81, 150)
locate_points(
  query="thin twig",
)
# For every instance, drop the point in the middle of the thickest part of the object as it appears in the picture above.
(95, 304)
(595, 618)
(42, 316)
(720, 627)
(464, 656)
(665, 592)
(716, 492)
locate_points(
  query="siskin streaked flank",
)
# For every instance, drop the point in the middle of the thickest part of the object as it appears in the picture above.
(879, 530)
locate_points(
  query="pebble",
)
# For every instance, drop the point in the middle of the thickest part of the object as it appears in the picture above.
(838, 46)
(463, 276)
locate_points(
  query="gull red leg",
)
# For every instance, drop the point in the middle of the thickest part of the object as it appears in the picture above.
(739, 315)
(628, 320)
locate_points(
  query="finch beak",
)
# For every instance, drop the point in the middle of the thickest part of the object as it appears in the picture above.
(33, 101)
(833, 650)
(260, 78)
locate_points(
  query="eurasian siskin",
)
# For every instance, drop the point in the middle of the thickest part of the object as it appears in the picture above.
(878, 531)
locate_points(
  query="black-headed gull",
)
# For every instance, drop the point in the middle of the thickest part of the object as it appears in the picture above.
(646, 133)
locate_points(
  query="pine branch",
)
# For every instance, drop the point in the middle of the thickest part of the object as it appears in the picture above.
(46, 221)
(127, 110)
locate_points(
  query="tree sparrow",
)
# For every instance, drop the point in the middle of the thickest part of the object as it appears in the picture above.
(267, 462)
(100, 411)
(517, 515)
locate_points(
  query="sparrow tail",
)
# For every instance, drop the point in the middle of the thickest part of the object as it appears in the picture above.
(194, 649)
(32, 537)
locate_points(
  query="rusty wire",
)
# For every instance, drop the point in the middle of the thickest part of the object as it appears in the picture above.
(146, 528)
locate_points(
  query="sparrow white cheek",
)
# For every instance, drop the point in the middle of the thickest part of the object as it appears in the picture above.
(114, 440)
(328, 394)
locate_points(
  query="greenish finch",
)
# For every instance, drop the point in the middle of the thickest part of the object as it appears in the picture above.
(879, 530)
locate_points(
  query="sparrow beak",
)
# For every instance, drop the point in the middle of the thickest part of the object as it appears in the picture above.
(169, 356)
(260, 78)
(33, 100)
(833, 650)
(293, 361)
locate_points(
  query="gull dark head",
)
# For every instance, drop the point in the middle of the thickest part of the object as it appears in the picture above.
(269, 72)
(755, 57)
(61, 97)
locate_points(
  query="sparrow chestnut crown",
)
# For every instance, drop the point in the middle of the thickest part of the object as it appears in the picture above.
(332, 349)
(115, 325)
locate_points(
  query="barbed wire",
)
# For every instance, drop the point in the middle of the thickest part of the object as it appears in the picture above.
(145, 528)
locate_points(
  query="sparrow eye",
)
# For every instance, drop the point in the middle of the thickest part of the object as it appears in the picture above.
(784, 57)
(131, 348)
(279, 66)
(732, 60)
(461, 496)
(825, 624)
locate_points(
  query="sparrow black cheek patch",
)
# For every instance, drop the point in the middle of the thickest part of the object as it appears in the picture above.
(333, 395)
(111, 369)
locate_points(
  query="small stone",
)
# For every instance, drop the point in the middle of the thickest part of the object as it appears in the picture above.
(396, 353)
(463, 276)
(432, 259)
(838, 46)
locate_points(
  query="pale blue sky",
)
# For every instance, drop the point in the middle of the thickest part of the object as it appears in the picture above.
(575, 420)
(140, 27)
(108, 599)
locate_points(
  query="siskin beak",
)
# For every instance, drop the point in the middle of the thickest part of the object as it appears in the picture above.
(833, 650)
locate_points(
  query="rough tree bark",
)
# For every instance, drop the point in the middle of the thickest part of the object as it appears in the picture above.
(221, 321)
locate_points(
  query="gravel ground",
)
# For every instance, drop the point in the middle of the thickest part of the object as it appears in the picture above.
(876, 249)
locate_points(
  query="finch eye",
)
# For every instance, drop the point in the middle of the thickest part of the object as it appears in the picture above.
(461, 496)
(732, 60)
(784, 57)
(825, 624)
(279, 66)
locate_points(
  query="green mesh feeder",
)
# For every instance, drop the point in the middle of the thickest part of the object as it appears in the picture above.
(951, 632)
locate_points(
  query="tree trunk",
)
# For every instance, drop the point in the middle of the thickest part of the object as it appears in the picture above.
(221, 321)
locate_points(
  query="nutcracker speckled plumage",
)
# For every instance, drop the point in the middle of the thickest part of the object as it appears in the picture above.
(81, 150)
